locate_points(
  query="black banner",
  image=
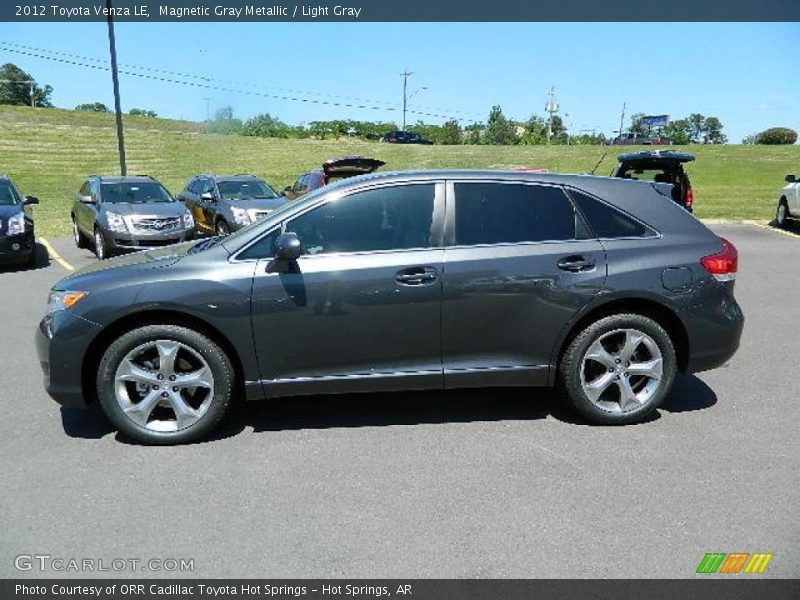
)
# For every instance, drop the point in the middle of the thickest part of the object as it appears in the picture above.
(429, 589)
(405, 10)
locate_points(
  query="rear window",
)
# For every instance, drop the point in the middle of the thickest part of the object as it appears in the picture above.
(605, 221)
(498, 213)
(660, 174)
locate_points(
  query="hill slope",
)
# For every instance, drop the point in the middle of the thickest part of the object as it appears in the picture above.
(48, 153)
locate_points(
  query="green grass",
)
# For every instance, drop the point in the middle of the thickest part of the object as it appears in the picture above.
(48, 153)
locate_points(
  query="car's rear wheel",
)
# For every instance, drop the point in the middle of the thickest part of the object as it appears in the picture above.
(165, 384)
(782, 214)
(77, 236)
(100, 247)
(619, 369)
(222, 228)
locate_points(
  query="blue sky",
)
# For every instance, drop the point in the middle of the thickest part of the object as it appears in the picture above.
(745, 74)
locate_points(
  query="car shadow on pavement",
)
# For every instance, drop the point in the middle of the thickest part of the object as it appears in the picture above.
(41, 261)
(402, 408)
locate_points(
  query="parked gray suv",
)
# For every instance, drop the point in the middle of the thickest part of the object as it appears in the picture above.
(127, 213)
(601, 286)
(221, 204)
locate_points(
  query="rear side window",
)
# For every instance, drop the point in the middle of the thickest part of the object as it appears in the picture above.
(503, 213)
(605, 221)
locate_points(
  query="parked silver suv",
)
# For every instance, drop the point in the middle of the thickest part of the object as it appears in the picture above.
(128, 213)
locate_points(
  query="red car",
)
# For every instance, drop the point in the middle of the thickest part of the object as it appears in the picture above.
(336, 168)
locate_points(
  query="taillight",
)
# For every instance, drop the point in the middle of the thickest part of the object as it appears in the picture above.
(722, 265)
(688, 197)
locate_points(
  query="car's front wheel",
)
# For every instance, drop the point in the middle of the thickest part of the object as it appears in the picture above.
(782, 214)
(100, 247)
(619, 369)
(165, 384)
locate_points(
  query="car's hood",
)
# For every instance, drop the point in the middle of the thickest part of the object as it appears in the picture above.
(150, 259)
(349, 166)
(9, 210)
(147, 209)
(257, 203)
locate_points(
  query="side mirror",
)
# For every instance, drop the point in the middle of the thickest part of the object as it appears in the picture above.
(87, 200)
(31, 200)
(287, 246)
(791, 178)
(207, 196)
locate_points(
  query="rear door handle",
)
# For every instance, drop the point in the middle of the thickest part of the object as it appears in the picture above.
(576, 263)
(416, 276)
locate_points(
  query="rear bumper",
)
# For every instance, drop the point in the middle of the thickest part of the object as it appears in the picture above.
(61, 345)
(714, 329)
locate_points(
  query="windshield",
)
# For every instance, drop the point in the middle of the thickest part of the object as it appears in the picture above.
(8, 196)
(138, 192)
(250, 188)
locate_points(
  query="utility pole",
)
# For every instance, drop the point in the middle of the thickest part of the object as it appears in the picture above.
(405, 75)
(622, 119)
(552, 108)
(115, 78)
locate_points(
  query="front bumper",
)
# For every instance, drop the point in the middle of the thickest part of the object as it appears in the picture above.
(16, 248)
(123, 242)
(62, 342)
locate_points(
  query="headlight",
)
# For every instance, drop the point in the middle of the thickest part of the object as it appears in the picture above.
(58, 301)
(16, 224)
(240, 216)
(116, 222)
(188, 221)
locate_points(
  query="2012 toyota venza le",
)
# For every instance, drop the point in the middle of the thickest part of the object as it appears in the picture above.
(400, 281)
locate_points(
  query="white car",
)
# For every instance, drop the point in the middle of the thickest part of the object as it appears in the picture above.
(788, 202)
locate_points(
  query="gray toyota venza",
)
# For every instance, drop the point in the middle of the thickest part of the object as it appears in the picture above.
(602, 287)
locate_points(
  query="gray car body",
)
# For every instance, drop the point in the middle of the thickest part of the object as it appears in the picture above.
(497, 315)
(89, 213)
(207, 212)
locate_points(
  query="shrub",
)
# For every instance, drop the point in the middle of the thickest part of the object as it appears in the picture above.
(777, 136)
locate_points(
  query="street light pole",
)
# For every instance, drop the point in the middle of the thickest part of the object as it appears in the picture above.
(115, 78)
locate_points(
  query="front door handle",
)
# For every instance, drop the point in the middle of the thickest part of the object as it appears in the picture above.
(416, 276)
(576, 263)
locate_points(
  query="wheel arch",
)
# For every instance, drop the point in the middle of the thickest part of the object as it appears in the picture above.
(152, 317)
(646, 307)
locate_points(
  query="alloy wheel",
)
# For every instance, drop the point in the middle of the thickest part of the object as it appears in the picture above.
(99, 245)
(621, 370)
(780, 218)
(164, 386)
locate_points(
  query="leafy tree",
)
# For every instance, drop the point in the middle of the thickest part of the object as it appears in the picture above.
(265, 126)
(450, 133)
(775, 136)
(749, 140)
(93, 107)
(637, 125)
(473, 133)
(697, 124)
(224, 123)
(712, 131)
(678, 131)
(140, 112)
(15, 89)
(535, 131)
(499, 130)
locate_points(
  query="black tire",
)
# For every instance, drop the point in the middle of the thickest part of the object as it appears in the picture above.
(782, 214)
(222, 228)
(78, 237)
(570, 369)
(101, 250)
(215, 357)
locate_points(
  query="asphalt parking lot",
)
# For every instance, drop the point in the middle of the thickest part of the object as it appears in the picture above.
(492, 483)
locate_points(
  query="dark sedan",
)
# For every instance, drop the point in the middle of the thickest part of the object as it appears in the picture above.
(17, 238)
(404, 137)
(404, 281)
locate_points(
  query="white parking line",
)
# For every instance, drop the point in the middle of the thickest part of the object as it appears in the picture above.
(55, 255)
(776, 230)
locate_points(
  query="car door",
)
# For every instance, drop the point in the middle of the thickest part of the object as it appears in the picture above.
(79, 207)
(89, 213)
(360, 309)
(516, 271)
(189, 199)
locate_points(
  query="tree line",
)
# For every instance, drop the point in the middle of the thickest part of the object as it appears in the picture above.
(19, 88)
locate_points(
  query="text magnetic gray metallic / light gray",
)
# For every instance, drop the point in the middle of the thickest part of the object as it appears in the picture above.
(399, 281)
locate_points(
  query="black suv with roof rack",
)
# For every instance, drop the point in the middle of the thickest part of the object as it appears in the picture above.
(17, 241)
(221, 204)
(119, 213)
(660, 166)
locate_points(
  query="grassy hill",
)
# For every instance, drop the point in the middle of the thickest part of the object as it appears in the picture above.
(48, 153)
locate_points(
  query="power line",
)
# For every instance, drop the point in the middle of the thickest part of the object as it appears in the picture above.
(206, 82)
